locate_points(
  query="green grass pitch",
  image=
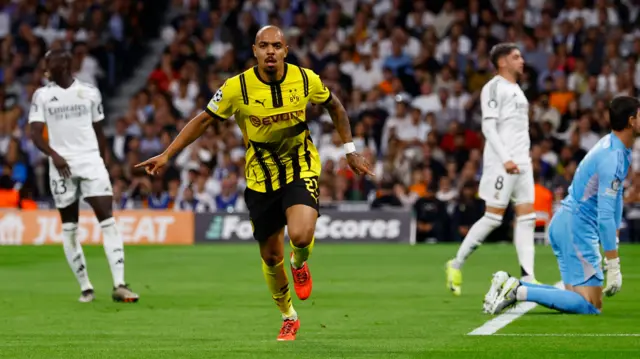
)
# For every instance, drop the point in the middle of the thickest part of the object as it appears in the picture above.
(369, 301)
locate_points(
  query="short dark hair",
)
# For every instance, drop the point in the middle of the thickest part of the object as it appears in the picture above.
(620, 109)
(501, 50)
(57, 52)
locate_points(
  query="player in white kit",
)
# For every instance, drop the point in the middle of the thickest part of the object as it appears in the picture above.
(507, 171)
(72, 112)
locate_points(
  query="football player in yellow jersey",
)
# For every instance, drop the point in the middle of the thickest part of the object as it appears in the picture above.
(268, 102)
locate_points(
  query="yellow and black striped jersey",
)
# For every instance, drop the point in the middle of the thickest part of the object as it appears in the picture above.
(272, 118)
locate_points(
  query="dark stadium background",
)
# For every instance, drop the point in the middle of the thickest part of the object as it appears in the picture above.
(157, 63)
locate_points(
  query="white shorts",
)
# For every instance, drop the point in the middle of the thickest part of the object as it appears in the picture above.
(89, 178)
(497, 187)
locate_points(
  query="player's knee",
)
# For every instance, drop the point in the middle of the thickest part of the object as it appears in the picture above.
(524, 209)
(301, 235)
(491, 220)
(594, 298)
(528, 220)
(102, 210)
(498, 211)
(272, 258)
(596, 301)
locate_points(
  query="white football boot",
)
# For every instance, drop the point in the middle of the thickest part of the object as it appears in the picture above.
(498, 279)
(507, 296)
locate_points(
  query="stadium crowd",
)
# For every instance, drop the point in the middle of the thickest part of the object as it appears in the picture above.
(408, 72)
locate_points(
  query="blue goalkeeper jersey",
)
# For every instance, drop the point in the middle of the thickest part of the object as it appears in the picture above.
(595, 194)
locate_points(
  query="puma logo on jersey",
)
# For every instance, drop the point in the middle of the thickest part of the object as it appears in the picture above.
(260, 102)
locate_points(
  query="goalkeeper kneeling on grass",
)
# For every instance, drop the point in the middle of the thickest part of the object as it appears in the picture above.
(589, 217)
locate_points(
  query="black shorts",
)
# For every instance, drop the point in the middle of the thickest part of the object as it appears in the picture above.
(268, 210)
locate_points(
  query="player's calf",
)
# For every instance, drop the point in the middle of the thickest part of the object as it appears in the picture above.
(302, 282)
(301, 229)
(476, 236)
(523, 239)
(513, 291)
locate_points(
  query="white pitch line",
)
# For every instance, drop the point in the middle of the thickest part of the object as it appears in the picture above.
(565, 335)
(501, 321)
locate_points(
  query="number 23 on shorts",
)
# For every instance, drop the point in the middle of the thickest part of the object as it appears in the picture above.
(58, 186)
(312, 187)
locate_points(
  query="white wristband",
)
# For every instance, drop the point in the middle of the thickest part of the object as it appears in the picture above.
(349, 147)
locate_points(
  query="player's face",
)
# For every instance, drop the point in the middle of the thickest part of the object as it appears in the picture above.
(635, 122)
(270, 49)
(58, 66)
(515, 62)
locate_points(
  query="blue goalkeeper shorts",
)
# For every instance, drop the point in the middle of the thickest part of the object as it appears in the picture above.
(577, 249)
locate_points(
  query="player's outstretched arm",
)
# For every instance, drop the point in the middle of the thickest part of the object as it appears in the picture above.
(194, 129)
(340, 120)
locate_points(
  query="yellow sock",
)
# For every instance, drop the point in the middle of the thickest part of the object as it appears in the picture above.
(300, 255)
(278, 284)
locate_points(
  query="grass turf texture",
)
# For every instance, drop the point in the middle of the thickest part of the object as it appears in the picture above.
(369, 301)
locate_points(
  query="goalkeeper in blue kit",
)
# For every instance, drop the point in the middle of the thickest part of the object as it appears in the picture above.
(589, 217)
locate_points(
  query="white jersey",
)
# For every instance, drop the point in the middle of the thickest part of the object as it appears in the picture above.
(69, 115)
(505, 123)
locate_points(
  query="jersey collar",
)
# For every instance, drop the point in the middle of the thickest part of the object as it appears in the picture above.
(284, 75)
(627, 151)
(73, 83)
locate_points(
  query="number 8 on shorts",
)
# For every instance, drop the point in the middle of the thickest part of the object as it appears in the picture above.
(497, 187)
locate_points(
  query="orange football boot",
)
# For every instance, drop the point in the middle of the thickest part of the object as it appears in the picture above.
(302, 282)
(289, 330)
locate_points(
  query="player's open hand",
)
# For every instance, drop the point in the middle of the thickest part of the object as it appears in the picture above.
(154, 164)
(61, 165)
(511, 168)
(359, 164)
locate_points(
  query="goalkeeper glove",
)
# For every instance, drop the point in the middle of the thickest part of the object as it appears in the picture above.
(614, 276)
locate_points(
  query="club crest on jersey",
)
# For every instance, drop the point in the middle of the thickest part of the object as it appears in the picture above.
(613, 190)
(293, 97)
(615, 184)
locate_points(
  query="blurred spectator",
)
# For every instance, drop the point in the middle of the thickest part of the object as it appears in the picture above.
(158, 197)
(119, 142)
(230, 199)
(561, 96)
(9, 195)
(190, 204)
(446, 192)
(432, 219)
(542, 203)
(387, 197)
(544, 112)
(588, 138)
(332, 151)
(468, 211)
